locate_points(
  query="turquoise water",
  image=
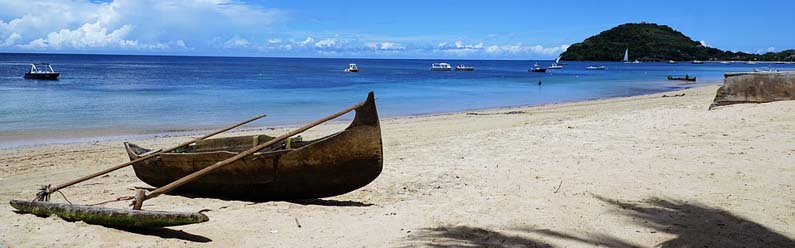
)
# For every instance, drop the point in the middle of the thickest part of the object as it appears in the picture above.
(108, 94)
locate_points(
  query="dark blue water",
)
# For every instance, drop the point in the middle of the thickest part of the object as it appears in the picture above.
(139, 94)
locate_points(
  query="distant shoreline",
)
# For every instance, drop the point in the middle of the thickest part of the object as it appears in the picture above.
(26, 139)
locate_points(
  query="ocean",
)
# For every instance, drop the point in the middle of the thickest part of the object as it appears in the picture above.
(106, 95)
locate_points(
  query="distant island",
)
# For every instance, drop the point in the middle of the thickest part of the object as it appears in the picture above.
(653, 42)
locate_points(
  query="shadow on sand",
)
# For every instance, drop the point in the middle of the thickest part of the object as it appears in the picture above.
(166, 233)
(330, 203)
(694, 225)
(465, 236)
(697, 225)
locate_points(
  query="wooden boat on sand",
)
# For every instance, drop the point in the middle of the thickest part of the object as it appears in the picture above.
(291, 169)
(256, 166)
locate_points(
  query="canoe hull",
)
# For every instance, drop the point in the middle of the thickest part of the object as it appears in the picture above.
(329, 166)
(109, 216)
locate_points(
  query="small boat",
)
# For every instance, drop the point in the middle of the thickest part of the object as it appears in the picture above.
(352, 68)
(750, 62)
(725, 62)
(556, 65)
(464, 68)
(686, 78)
(42, 71)
(537, 68)
(601, 67)
(440, 67)
(780, 62)
(626, 58)
(768, 69)
(697, 62)
(672, 62)
(290, 169)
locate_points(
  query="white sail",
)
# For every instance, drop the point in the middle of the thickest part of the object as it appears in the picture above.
(557, 61)
(626, 55)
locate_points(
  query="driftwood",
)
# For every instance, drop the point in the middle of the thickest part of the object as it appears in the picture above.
(109, 216)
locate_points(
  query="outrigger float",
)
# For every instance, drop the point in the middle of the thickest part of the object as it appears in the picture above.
(271, 168)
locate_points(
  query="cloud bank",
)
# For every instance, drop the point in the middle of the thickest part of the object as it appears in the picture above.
(210, 27)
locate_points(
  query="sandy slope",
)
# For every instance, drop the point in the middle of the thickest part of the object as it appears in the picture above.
(641, 171)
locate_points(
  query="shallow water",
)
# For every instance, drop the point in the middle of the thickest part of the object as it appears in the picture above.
(99, 95)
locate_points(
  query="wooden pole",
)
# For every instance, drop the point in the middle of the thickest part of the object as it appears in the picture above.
(193, 176)
(108, 170)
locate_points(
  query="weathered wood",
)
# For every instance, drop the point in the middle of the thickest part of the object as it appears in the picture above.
(197, 174)
(140, 194)
(109, 216)
(151, 155)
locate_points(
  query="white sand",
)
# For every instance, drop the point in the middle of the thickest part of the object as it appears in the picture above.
(542, 176)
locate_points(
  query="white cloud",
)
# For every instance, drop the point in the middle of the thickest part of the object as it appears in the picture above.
(90, 35)
(326, 43)
(385, 46)
(275, 41)
(236, 42)
(771, 49)
(703, 43)
(10, 40)
(128, 24)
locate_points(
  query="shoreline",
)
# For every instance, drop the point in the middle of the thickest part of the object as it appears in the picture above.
(17, 141)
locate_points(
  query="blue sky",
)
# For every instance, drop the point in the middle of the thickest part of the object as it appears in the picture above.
(377, 29)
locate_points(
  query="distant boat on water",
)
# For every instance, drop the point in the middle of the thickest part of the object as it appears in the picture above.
(697, 62)
(672, 62)
(352, 68)
(596, 67)
(626, 58)
(464, 68)
(750, 62)
(556, 65)
(725, 62)
(537, 68)
(686, 78)
(440, 67)
(768, 69)
(42, 71)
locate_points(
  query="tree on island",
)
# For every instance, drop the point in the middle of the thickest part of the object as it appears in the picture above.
(653, 42)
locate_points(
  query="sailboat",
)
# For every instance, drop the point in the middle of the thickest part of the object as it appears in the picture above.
(626, 58)
(556, 65)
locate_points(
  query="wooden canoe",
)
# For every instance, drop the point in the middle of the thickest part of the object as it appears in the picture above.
(292, 169)
(109, 216)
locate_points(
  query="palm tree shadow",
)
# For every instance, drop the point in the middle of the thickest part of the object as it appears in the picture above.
(166, 233)
(697, 225)
(466, 236)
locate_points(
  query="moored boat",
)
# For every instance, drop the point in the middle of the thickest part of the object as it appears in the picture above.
(601, 67)
(440, 67)
(291, 169)
(42, 71)
(464, 68)
(537, 68)
(697, 62)
(352, 68)
(672, 62)
(686, 78)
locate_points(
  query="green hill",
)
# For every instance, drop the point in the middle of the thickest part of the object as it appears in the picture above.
(652, 42)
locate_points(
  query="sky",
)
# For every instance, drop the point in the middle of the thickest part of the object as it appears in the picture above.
(374, 29)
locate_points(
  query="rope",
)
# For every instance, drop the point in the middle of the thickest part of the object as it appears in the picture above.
(123, 198)
(64, 197)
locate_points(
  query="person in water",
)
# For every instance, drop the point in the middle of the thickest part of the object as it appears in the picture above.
(539, 82)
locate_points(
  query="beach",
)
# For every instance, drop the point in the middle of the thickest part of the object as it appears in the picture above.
(630, 171)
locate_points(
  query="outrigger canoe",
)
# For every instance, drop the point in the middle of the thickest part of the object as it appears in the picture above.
(290, 169)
